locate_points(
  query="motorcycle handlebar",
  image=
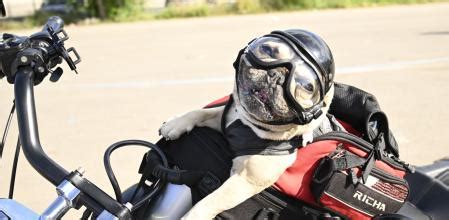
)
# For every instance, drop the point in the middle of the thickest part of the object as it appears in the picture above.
(28, 129)
(91, 196)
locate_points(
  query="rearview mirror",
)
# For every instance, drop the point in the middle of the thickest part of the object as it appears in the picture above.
(2, 9)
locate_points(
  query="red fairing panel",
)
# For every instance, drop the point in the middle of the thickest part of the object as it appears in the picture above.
(218, 102)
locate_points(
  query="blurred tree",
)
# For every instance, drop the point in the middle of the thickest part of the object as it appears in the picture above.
(113, 9)
(100, 9)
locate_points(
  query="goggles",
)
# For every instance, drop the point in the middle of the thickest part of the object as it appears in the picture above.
(303, 85)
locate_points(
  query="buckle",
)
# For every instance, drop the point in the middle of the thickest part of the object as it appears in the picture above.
(267, 214)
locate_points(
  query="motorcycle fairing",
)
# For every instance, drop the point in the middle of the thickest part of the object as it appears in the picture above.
(15, 210)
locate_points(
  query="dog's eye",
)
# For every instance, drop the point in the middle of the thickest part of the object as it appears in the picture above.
(269, 49)
(308, 87)
(265, 49)
(304, 87)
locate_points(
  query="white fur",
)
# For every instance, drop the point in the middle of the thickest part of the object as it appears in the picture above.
(250, 174)
(179, 125)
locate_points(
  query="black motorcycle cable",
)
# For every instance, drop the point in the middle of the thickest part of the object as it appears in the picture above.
(8, 124)
(16, 155)
(108, 168)
(155, 188)
(14, 170)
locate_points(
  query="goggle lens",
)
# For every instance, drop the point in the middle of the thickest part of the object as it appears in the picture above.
(267, 54)
(270, 49)
(304, 86)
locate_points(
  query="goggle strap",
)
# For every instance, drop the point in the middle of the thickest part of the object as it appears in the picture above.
(301, 46)
(237, 60)
(306, 53)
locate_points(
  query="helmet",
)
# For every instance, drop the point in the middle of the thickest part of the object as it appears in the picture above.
(283, 77)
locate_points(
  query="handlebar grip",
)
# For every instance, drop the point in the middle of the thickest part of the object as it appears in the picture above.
(55, 22)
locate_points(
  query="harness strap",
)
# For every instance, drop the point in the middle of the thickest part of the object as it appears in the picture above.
(225, 112)
(348, 161)
(344, 160)
(376, 153)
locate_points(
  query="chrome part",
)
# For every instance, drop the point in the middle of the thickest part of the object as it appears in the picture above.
(66, 194)
(81, 170)
(173, 203)
(129, 206)
(41, 69)
(57, 209)
(105, 215)
(23, 59)
(15, 210)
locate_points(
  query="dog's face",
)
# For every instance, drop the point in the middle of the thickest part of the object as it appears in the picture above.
(261, 92)
(283, 78)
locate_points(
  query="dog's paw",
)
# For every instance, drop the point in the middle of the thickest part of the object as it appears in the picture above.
(177, 126)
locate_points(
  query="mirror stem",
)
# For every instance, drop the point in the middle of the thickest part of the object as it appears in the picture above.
(2, 9)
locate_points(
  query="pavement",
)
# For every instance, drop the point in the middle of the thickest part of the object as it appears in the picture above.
(136, 75)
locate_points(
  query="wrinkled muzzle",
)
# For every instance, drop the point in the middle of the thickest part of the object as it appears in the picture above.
(261, 92)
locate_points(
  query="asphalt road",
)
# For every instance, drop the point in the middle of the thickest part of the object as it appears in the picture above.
(135, 76)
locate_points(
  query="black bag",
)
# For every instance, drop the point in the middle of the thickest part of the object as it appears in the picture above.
(361, 110)
(202, 149)
(357, 179)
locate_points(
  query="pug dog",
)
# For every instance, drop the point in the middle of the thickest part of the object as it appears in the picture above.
(282, 92)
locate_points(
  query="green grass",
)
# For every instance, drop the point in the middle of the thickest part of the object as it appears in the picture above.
(241, 7)
(262, 6)
(184, 12)
(321, 4)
